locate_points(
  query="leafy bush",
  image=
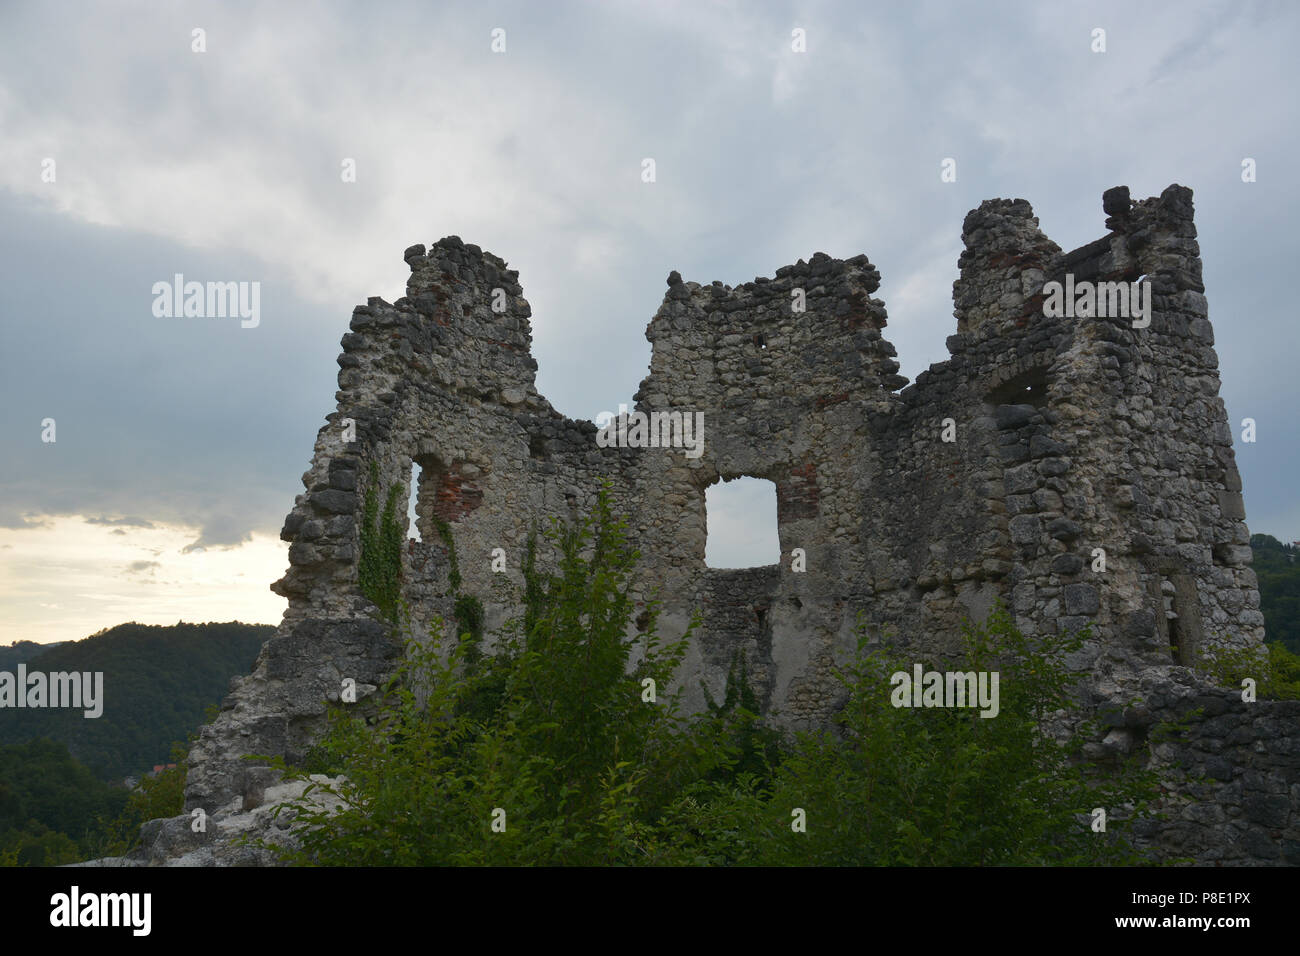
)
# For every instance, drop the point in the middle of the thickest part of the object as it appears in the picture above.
(942, 786)
(1275, 670)
(551, 751)
(553, 729)
(159, 795)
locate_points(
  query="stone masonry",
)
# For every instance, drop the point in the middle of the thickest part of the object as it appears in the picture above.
(1067, 435)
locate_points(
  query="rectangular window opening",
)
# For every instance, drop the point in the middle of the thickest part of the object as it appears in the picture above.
(740, 524)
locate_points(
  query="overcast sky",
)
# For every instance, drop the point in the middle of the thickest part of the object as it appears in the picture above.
(180, 442)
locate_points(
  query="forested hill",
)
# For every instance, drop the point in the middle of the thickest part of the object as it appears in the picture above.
(1277, 566)
(158, 684)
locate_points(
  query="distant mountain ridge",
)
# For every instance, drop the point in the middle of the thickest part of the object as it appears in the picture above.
(11, 655)
(159, 682)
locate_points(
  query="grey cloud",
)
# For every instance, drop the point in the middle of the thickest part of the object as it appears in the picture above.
(128, 521)
(11, 518)
(221, 532)
(762, 160)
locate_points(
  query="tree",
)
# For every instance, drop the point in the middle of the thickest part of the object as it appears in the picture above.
(1279, 590)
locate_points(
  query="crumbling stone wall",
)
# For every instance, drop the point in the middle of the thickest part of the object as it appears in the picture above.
(1067, 435)
(1232, 770)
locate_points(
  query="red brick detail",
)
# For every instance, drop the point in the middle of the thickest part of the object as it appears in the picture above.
(456, 495)
(856, 320)
(835, 399)
(859, 315)
(1032, 310)
(798, 497)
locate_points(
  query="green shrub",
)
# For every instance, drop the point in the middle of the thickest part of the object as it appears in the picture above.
(940, 786)
(1275, 670)
(157, 796)
(552, 729)
(554, 736)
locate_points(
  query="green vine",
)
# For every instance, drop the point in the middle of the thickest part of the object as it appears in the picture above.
(534, 586)
(469, 620)
(468, 609)
(453, 567)
(380, 569)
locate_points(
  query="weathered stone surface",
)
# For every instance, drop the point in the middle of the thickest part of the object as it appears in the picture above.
(1081, 599)
(1025, 529)
(1013, 416)
(1139, 623)
(1067, 564)
(1064, 529)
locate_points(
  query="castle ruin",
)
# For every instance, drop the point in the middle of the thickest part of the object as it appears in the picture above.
(1002, 473)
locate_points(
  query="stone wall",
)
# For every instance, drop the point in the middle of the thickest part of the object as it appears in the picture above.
(1231, 771)
(1067, 435)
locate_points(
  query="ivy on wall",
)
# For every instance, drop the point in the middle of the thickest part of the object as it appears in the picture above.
(380, 569)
